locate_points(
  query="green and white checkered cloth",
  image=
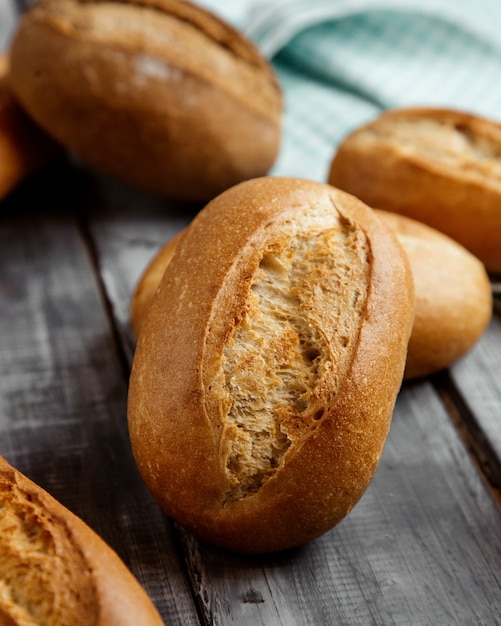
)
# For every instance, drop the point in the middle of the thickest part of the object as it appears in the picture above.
(341, 62)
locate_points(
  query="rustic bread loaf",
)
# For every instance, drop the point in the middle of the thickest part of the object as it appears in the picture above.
(160, 93)
(268, 364)
(24, 148)
(453, 296)
(54, 570)
(437, 166)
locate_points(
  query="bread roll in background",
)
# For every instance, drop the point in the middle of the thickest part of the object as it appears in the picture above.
(438, 166)
(268, 364)
(160, 93)
(55, 570)
(453, 296)
(24, 148)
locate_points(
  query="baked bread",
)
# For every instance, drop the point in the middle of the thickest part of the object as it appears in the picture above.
(453, 296)
(268, 364)
(24, 148)
(55, 570)
(437, 166)
(160, 93)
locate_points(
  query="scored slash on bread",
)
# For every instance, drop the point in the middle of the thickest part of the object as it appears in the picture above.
(438, 166)
(268, 364)
(160, 93)
(55, 570)
(452, 290)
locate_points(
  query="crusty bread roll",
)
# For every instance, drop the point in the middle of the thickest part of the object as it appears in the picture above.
(453, 296)
(24, 148)
(438, 166)
(54, 570)
(268, 363)
(160, 93)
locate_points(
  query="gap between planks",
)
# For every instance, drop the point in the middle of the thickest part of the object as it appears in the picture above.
(477, 445)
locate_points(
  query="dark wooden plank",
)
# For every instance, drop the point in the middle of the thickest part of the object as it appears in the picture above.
(423, 545)
(475, 387)
(127, 227)
(63, 387)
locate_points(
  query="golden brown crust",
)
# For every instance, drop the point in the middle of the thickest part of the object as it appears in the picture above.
(453, 296)
(161, 94)
(437, 166)
(24, 148)
(55, 570)
(199, 325)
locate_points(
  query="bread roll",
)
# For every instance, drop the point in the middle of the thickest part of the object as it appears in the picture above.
(437, 166)
(160, 93)
(268, 363)
(453, 296)
(54, 570)
(24, 148)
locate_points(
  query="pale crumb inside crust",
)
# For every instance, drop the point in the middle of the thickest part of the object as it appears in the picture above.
(288, 355)
(42, 575)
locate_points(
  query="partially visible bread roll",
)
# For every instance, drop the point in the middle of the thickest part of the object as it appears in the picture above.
(453, 296)
(437, 166)
(24, 148)
(268, 364)
(160, 93)
(54, 570)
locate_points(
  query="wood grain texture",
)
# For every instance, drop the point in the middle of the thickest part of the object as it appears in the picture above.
(422, 546)
(126, 228)
(476, 388)
(63, 391)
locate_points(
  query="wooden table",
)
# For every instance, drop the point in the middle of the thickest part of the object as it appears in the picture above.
(423, 547)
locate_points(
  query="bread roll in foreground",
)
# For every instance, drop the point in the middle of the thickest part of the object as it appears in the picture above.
(453, 296)
(159, 93)
(437, 166)
(54, 570)
(268, 364)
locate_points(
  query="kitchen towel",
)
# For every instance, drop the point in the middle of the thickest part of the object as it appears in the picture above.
(341, 62)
